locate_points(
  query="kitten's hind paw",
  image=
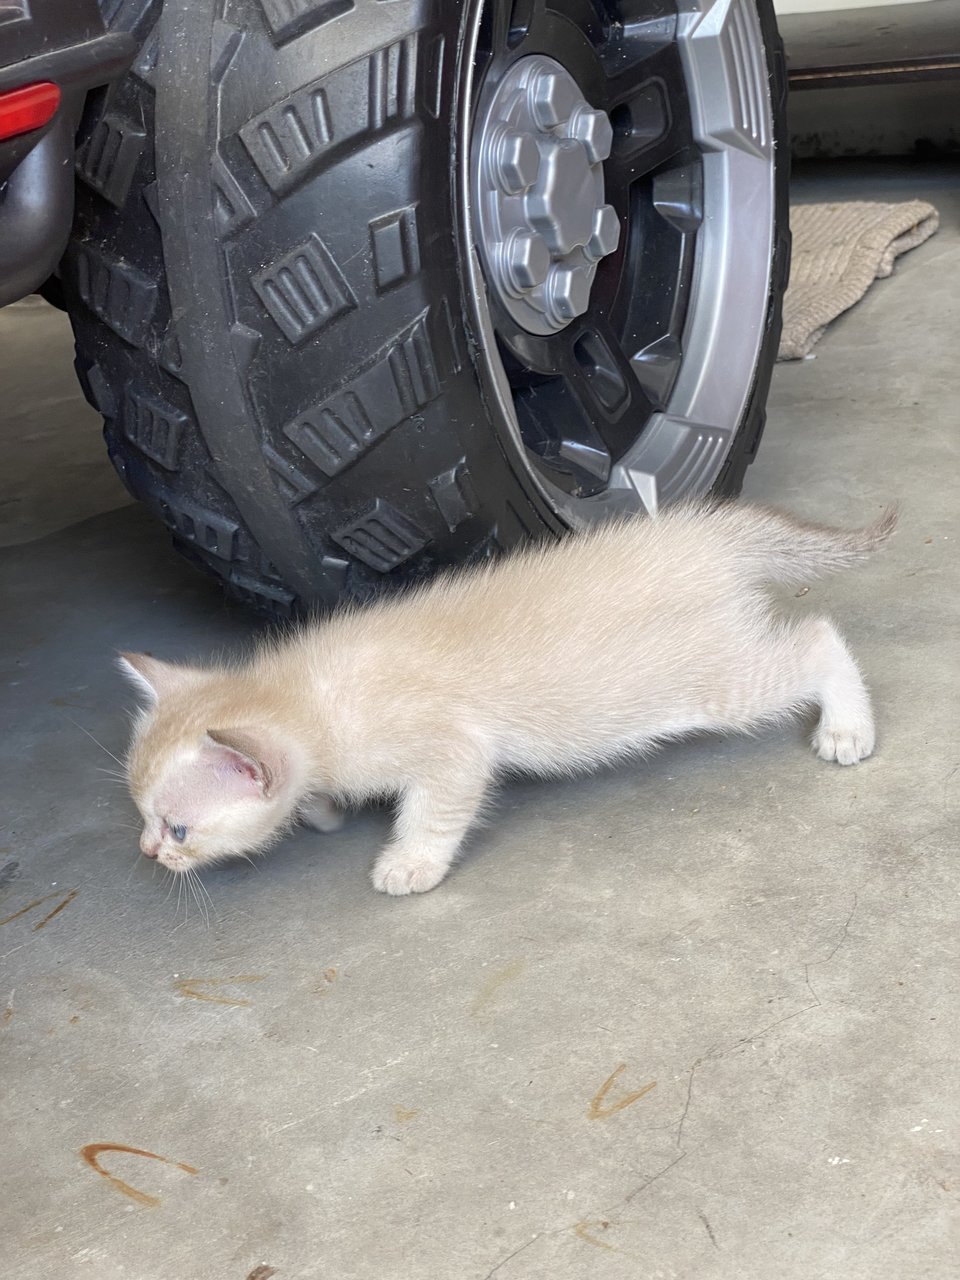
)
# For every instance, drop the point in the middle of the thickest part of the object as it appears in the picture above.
(845, 746)
(399, 873)
(321, 814)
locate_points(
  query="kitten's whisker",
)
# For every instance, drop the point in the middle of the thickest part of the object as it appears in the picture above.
(96, 740)
(202, 897)
(173, 881)
(133, 867)
(111, 773)
(191, 888)
(190, 893)
(203, 888)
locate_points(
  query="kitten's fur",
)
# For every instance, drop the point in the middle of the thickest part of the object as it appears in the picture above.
(555, 659)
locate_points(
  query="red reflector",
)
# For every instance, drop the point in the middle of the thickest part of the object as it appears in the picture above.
(27, 108)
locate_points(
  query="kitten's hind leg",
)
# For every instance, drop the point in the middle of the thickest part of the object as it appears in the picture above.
(846, 731)
(320, 813)
(432, 819)
(808, 662)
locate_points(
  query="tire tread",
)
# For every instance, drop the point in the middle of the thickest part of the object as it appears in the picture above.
(285, 386)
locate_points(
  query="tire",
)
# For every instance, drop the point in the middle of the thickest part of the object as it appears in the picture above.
(280, 316)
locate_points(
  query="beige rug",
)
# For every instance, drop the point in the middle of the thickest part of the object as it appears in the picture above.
(838, 252)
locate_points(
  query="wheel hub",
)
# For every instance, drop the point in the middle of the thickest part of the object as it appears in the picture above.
(541, 221)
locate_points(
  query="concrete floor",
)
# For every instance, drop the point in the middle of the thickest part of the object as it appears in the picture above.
(694, 1018)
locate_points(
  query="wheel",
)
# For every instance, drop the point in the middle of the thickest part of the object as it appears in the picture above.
(367, 287)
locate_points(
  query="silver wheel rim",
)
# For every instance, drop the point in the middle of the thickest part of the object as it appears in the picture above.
(682, 448)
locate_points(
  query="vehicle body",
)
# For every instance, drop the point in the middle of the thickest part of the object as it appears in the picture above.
(51, 57)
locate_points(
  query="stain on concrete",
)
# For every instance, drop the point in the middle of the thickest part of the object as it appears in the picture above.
(327, 978)
(92, 1152)
(599, 1110)
(488, 992)
(38, 902)
(583, 1231)
(188, 987)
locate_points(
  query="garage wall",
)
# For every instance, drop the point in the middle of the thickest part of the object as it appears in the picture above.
(834, 6)
(898, 119)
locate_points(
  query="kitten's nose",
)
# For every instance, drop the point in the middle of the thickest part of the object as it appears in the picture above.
(149, 850)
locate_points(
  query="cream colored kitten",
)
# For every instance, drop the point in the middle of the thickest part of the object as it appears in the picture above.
(553, 660)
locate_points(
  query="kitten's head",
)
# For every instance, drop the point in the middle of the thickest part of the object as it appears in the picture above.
(207, 787)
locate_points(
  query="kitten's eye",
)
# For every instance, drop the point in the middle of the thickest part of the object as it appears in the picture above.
(178, 832)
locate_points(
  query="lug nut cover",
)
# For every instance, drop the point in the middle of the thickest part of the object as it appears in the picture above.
(528, 259)
(594, 130)
(552, 99)
(606, 233)
(568, 292)
(518, 161)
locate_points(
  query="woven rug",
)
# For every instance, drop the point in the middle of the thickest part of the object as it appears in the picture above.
(838, 252)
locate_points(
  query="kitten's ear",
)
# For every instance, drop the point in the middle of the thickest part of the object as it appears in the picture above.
(246, 759)
(154, 679)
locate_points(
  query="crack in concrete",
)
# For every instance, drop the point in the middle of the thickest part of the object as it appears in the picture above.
(686, 1105)
(649, 1182)
(707, 1227)
(608, 1215)
(503, 1262)
(714, 1054)
(844, 934)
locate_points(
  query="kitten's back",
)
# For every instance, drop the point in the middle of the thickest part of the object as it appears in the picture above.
(640, 610)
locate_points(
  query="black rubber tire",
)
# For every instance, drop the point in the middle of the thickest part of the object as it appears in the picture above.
(265, 289)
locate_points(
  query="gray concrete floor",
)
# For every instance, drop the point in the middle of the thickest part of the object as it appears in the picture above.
(694, 1018)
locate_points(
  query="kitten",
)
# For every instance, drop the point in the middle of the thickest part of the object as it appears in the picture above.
(555, 659)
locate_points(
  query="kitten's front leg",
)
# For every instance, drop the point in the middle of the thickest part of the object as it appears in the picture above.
(432, 819)
(321, 814)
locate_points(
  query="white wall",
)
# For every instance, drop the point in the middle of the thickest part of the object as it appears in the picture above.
(832, 6)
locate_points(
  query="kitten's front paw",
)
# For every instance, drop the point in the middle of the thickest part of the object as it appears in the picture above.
(400, 873)
(846, 746)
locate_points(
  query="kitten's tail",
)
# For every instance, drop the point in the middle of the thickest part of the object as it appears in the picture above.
(783, 549)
